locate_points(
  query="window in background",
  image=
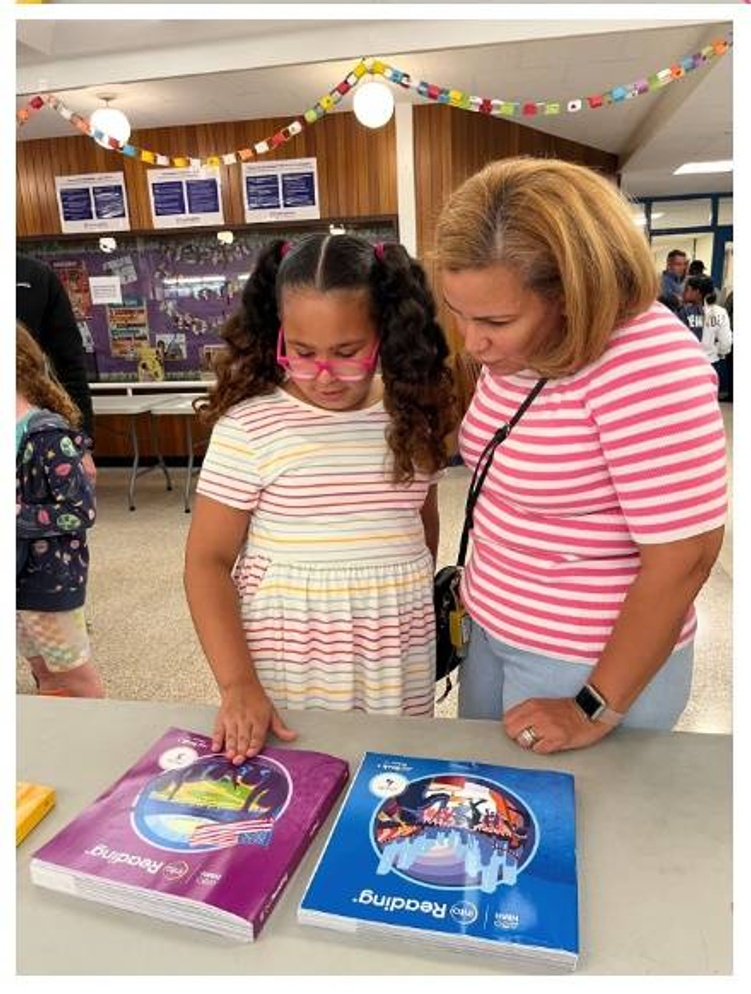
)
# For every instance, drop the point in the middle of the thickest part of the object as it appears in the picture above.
(694, 213)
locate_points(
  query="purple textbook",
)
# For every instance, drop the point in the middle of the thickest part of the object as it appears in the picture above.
(186, 836)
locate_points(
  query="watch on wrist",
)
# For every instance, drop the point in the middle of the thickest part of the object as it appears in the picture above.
(595, 707)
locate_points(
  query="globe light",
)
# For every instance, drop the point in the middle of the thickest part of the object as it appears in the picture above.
(112, 122)
(373, 104)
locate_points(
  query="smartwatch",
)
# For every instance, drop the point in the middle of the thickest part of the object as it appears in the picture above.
(593, 705)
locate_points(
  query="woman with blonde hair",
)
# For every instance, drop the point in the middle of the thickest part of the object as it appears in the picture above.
(602, 513)
(54, 509)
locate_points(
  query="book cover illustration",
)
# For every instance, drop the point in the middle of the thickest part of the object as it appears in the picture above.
(467, 853)
(185, 825)
(33, 802)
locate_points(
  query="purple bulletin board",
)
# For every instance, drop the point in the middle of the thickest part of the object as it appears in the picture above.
(178, 289)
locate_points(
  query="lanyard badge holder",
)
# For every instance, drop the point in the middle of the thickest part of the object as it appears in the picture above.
(452, 620)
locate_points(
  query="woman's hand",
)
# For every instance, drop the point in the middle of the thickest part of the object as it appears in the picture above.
(556, 723)
(245, 718)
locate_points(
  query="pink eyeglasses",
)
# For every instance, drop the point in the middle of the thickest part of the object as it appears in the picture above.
(307, 368)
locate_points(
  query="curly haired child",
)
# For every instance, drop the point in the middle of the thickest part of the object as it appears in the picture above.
(54, 509)
(310, 559)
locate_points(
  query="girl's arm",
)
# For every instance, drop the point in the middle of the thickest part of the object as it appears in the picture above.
(246, 715)
(430, 520)
(670, 576)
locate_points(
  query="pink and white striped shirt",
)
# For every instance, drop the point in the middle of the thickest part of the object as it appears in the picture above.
(628, 451)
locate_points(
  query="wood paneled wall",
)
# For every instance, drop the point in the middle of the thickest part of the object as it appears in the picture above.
(356, 167)
(451, 145)
(356, 174)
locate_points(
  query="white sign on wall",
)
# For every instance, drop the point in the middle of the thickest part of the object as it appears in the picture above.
(281, 191)
(105, 290)
(92, 202)
(185, 197)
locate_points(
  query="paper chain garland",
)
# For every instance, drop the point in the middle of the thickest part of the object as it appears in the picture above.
(375, 67)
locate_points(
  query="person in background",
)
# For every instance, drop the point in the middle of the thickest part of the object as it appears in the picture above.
(674, 275)
(729, 357)
(310, 559)
(716, 336)
(672, 305)
(54, 510)
(603, 511)
(43, 307)
(696, 268)
(691, 312)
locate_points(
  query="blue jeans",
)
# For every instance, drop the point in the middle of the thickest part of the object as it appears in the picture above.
(495, 676)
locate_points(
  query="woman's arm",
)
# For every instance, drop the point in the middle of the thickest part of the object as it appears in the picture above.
(649, 623)
(430, 521)
(246, 715)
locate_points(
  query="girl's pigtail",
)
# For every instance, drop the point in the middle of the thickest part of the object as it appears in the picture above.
(418, 386)
(247, 366)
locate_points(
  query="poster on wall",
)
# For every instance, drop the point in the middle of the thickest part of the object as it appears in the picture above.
(185, 197)
(92, 202)
(74, 276)
(128, 330)
(172, 347)
(281, 191)
(86, 337)
(122, 267)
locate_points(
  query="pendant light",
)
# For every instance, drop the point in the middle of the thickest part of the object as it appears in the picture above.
(109, 120)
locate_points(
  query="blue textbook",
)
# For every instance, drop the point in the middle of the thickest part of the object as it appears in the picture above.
(462, 855)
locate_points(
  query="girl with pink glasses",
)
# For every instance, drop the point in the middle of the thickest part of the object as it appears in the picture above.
(310, 559)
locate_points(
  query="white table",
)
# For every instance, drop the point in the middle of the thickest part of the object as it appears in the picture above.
(654, 849)
(133, 407)
(181, 405)
(131, 387)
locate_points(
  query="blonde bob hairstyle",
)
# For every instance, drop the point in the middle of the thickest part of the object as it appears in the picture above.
(569, 234)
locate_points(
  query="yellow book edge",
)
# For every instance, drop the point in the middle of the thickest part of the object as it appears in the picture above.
(33, 801)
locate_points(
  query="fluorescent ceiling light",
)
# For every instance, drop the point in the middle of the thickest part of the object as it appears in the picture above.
(718, 166)
(641, 219)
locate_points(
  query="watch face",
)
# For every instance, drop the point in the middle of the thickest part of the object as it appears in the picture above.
(589, 702)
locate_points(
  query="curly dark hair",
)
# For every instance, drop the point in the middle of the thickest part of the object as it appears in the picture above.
(705, 286)
(418, 385)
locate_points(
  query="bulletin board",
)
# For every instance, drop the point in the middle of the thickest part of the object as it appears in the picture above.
(178, 289)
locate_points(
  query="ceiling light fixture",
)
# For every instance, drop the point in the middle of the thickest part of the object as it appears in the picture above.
(717, 166)
(110, 121)
(373, 104)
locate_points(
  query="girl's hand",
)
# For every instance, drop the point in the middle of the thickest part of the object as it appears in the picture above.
(245, 718)
(557, 723)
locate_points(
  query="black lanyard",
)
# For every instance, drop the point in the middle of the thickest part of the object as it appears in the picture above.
(483, 465)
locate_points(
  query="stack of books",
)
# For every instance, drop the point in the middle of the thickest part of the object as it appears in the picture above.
(188, 837)
(33, 801)
(460, 855)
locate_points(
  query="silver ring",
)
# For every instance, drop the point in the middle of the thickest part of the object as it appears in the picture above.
(527, 737)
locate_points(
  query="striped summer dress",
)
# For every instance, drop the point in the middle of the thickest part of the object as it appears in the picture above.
(630, 450)
(335, 580)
